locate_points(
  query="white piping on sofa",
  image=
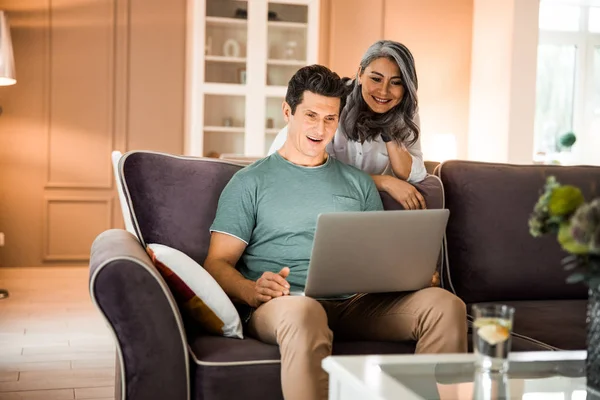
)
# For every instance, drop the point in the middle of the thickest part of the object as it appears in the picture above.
(230, 363)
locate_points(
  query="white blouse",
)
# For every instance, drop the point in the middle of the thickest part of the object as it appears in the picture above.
(370, 157)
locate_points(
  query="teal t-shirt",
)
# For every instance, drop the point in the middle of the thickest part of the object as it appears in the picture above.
(273, 205)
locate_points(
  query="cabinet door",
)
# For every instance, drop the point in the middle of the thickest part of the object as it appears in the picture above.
(225, 66)
(226, 41)
(287, 41)
(291, 43)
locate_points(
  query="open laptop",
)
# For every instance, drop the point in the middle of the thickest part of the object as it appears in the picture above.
(374, 252)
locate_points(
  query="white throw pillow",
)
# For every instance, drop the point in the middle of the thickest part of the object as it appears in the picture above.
(196, 291)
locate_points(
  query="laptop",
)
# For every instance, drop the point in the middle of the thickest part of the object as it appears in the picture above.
(374, 252)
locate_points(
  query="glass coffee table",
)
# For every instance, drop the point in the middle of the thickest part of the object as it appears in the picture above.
(556, 375)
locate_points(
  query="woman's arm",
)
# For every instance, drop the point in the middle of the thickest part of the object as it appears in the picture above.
(401, 191)
(407, 162)
(400, 159)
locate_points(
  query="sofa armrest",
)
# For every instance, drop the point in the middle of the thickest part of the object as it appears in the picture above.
(140, 310)
(431, 188)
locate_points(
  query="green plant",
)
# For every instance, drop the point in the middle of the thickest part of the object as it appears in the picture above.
(562, 210)
(567, 140)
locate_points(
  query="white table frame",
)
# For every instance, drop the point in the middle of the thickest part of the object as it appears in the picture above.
(361, 377)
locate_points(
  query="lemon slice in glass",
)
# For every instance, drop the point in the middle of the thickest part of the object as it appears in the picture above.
(493, 333)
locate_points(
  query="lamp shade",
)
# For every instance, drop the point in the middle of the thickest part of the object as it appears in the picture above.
(7, 60)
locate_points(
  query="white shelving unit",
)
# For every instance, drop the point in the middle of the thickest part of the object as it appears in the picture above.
(239, 60)
(240, 56)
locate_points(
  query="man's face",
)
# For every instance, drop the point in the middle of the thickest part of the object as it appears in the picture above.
(311, 128)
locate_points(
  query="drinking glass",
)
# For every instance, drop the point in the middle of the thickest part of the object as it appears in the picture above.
(492, 329)
(490, 386)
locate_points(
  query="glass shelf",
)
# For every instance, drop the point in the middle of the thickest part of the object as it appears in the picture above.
(217, 143)
(287, 25)
(226, 41)
(237, 60)
(227, 9)
(282, 14)
(288, 63)
(286, 42)
(229, 129)
(224, 125)
(226, 21)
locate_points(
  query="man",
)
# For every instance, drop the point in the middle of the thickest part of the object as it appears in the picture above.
(267, 217)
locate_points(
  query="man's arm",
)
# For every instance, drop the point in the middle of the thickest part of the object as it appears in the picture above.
(223, 254)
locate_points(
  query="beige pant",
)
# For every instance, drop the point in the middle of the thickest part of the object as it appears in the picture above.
(303, 328)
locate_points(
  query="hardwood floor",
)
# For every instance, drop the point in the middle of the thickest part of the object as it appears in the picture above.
(54, 345)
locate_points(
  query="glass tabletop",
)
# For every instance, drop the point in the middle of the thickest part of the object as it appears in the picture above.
(527, 380)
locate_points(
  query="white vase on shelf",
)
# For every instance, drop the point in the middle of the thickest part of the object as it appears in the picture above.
(290, 52)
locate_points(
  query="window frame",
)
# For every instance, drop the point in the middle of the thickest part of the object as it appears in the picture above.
(583, 93)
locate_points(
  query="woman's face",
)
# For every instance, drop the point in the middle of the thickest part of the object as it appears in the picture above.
(381, 85)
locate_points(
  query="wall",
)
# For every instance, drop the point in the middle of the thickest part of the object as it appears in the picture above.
(354, 25)
(505, 38)
(91, 77)
(523, 82)
(438, 33)
(324, 38)
(490, 74)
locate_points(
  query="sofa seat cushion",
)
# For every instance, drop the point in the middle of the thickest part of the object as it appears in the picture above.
(560, 324)
(218, 349)
(221, 366)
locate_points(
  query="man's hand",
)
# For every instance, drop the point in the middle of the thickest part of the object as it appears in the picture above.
(271, 285)
(405, 194)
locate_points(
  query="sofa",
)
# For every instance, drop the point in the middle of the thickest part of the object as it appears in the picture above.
(491, 256)
(487, 256)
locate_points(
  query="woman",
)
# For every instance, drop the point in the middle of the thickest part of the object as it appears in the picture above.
(379, 126)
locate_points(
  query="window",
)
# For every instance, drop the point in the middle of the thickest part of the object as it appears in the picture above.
(559, 17)
(594, 20)
(555, 94)
(568, 81)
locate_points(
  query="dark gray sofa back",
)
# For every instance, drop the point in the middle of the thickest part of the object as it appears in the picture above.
(173, 200)
(491, 255)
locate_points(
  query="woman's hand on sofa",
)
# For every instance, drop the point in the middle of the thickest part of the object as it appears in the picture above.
(402, 191)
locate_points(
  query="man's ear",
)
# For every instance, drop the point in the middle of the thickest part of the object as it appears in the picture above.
(287, 111)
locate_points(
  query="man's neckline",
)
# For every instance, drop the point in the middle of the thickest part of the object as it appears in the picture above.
(326, 163)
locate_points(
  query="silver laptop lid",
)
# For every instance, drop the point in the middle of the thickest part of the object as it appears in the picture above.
(375, 251)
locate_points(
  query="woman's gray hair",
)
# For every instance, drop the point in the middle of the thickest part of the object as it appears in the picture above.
(360, 123)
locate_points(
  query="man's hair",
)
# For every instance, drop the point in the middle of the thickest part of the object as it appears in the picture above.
(316, 79)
